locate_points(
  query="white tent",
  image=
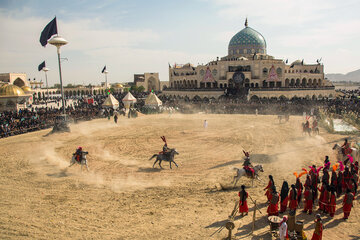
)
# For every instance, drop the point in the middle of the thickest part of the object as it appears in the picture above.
(152, 100)
(111, 102)
(128, 99)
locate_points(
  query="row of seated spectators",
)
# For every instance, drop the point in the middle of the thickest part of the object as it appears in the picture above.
(28, 120)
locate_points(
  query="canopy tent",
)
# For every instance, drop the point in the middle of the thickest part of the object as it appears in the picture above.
(152, 100)
(128, 99)
(111, 102)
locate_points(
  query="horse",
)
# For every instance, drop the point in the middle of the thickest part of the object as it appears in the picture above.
(315, 131)
(306, 129)
(340, 155)
(168, 157)
(242, 172)
(82, 162)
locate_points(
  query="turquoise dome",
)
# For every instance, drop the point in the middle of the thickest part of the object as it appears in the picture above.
(246, 42)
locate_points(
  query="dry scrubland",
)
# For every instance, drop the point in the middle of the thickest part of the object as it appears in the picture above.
(122, 197)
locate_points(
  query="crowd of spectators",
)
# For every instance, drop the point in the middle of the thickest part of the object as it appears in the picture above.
(37, 118)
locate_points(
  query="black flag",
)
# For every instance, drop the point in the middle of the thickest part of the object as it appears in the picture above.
(287, 60)
(292, 65)
(104, 69)
(48, 32)
(302, 62)
(41, 66)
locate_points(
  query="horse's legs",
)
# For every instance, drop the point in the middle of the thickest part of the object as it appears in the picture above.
(170, 164)
(175, 163)
(155, 162)
(160, 163)
(86, 165)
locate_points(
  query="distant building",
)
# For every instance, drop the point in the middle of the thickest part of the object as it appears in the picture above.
(150, 81)
(15, 91)
(248, 71)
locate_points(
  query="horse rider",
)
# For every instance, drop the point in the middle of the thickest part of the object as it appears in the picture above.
(345, 148)
(247, 165)
(307, 124)
(165, 150)
(78, 154)
(314, 124)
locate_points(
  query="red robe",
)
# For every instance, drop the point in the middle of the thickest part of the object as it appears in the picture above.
(243, 207)
(332, 205)
(273, 208)
(293, 200)
(321, 198)
(308, 200)
(283, 204)
(317, 235)
(348, 200)
(268, 187)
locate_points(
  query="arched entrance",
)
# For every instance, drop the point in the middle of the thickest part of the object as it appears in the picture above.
(152, 84)
(19, 82)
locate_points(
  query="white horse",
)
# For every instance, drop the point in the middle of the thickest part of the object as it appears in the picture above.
(82, 162)
(241, 172)
(340, 155)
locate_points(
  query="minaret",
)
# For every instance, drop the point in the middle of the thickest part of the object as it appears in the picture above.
(246, 22)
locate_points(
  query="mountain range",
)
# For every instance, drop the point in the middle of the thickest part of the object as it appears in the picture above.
(353, 76)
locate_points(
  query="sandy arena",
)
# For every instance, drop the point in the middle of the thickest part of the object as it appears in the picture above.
(123, 197)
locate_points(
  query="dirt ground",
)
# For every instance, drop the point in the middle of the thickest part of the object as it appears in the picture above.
(123, 197)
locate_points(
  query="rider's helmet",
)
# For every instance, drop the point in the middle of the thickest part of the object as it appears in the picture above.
(79, 148)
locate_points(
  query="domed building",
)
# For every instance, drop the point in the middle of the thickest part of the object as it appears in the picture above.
(247, 42)
(13, 97)
(248, 71)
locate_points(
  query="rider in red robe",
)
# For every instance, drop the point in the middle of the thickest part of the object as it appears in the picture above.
(346, 148)
(347, 203)
(317, 235)
(273, 208)
(247, 165)
(243, 207)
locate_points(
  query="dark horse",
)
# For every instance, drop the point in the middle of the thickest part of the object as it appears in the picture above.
(168, 157)
(306, 130)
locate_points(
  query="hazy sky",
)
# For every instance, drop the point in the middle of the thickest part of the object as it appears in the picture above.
(136, 36)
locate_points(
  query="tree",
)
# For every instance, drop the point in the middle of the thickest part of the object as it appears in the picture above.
(140, 89)
(112, 90)
(57, 85)
(134, 88)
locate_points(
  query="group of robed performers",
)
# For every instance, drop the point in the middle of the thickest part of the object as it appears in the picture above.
(344, 180)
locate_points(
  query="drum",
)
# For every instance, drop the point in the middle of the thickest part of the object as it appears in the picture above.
(291, 221)
(299, 226)
(274, 223)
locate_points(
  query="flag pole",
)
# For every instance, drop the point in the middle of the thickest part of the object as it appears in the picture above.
(45, 69)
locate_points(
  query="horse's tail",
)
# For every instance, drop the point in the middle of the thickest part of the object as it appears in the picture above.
(155, 155)
(235, 168)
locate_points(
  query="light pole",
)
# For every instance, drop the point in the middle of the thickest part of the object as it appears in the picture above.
(105, 72)
(58, 41)
(45, 69)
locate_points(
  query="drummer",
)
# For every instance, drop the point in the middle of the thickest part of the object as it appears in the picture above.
(283, 231)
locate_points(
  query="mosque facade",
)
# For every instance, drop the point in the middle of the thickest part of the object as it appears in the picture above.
(249, 71)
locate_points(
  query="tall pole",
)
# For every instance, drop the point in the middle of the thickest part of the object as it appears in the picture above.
(105, 80)
(45, 69)
(61, 84)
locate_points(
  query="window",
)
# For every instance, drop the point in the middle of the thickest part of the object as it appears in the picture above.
(214, 72)
(265, 71)
(202, 72)
(278, 71)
